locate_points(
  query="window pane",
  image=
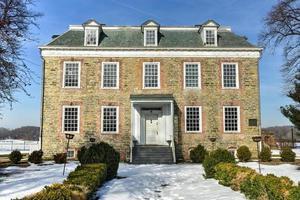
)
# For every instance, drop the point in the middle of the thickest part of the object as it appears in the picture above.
(191, 75)
(229, 75)
(71, 75)
(231, 119)
(210, 37)
(109, 119)
(150, 37)
(110, 75)
(70, 154)
(192, 119)
(151, 75)
(71, 119)
(91, 37)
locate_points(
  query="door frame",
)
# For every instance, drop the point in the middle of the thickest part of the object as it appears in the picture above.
(149, 111)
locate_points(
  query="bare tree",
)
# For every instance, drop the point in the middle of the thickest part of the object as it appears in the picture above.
(16, 18)
(282, 28)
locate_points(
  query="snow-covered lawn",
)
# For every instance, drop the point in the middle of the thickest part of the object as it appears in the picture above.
(24, 181)
(165, 182)
(288, 170)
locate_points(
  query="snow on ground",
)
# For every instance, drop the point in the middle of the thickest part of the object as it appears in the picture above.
(288, 170)
(29, 180)
(165, 182)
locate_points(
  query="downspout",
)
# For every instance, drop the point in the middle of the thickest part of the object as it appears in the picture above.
(42, 105)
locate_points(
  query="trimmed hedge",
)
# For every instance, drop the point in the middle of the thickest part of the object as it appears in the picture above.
(243, 153)
(255, 185)
(198, 154)
(79, 185)
(265, 154)
(15, 156)
(36, 157)
(214, 158)
(101, 153)
(287, 155)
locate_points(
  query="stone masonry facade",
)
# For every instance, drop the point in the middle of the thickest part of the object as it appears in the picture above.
(90, 97)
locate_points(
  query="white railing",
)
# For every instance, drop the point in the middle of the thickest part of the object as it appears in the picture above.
(25, 146)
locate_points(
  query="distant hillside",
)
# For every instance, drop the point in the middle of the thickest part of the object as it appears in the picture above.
(283, 132)
(24, 133)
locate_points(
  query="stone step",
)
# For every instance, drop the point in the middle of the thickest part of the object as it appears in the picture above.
(152, 154)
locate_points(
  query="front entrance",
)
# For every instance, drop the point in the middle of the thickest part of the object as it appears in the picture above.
(151, 126)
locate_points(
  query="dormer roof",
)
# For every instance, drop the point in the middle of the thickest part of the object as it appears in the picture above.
(92, 22)
(211, 23)
(150, 23)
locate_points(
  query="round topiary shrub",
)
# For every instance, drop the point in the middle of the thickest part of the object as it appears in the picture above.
(214, 158)
(15, 156)
(243, 153)
(265, 154)
(36, 157)
(101, 153)
(60, 158)
(198, 154)
(287, 155)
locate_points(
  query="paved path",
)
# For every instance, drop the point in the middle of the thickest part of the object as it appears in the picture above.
(164, 182)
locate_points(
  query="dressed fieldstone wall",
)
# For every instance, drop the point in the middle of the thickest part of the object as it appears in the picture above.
(91, 97)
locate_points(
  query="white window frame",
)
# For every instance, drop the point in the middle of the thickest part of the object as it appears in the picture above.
(97, 36)
(74, 153)
(239, 119)
(117, 120)
(237, 82)
(63, 119)
(102, 75)
(215, 33)
(64, 73)
(199, 75)
(200, 119)
(155, 34)
(158, 74)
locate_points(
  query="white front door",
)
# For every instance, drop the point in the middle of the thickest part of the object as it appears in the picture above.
(151, 128)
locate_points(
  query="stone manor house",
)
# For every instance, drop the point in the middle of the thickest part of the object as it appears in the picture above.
(153, 92)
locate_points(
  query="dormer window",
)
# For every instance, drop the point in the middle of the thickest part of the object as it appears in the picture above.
(92, 30)
(150, 37)
(210, 37)
(209, 33)
(150, 29)
(91, 37)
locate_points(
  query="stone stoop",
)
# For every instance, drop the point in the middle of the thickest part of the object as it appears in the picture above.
(152, 154)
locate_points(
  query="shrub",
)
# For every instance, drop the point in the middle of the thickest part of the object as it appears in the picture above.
(60, 158)
(287, 154)
(243, 154)
(79, 185)
(265, 154)
(102, 153)
(214, 158)
(15, 156)
(80, 153)
(198, 154)
(294, 193)
(36, 157)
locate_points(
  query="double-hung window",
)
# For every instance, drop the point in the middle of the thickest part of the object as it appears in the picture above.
(151, 75)
(110, 75)
(71, 119)
(230, 76)
(71, 75)
(110, 119)
(231, 118)
(210, 37)
(192, 75)
(150, 37)
(193, 119)
(91, 36)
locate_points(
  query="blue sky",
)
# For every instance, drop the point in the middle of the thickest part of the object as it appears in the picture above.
(245, 18)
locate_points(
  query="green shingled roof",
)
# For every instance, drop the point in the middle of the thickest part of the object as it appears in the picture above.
(130, 38)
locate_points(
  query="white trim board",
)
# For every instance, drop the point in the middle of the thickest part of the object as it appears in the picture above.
(145, 53)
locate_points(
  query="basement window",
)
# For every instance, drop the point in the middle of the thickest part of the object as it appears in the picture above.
(110, 119)
(231, 117)
(71, 119)
(193, 117)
